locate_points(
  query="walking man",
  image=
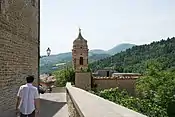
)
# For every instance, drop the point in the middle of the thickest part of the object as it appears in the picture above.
(28, 99)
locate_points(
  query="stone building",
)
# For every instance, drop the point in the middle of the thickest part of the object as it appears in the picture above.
(80, 62)
(104, 73)
(103, 79)
(80, 53)
(18, 49)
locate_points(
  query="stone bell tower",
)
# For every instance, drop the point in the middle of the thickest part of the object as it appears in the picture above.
(80, 53)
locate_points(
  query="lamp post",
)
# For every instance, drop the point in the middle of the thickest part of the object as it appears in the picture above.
(48, 51)
(48, 54)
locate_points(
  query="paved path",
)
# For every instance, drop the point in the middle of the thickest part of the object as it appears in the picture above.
(53, 105)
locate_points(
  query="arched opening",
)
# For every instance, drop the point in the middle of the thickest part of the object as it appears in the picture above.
(107, 73)
(81, 60)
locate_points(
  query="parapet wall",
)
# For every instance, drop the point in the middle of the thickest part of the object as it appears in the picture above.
(18, 49)
(112, 82)
(105, 82)
(84, 104)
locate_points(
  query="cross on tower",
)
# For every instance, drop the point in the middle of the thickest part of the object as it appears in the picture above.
(79, 30)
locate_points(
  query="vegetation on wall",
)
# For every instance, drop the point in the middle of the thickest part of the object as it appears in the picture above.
(155, 93)
(134, 59)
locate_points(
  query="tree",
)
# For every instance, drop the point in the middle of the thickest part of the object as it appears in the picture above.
(64, 76)
(134, 59)
(155, 92)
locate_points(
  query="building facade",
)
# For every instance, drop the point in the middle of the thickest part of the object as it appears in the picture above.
(103, 79)
(104, 73)
(80, 53)
(19, 45)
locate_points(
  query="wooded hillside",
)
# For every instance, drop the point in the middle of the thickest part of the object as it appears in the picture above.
(134, 59)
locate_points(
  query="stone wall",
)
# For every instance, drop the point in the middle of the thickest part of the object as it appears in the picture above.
(84, 104)
(105, 83)
(18, 49)
(83, 80)
(127, 84)
(110, 82)
(72, 107)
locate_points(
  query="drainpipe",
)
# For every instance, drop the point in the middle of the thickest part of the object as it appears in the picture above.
(38, 44)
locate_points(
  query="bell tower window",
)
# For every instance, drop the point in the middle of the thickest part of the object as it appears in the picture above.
(81, 60)
(75, 61)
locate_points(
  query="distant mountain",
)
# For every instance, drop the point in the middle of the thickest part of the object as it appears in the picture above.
(114, 50)
(47, 63)
(54, 59)
(119, 48)
(98, 51)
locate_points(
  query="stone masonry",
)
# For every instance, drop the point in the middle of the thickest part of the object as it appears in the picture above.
(83, 80)
(18, 49)
(80, 53)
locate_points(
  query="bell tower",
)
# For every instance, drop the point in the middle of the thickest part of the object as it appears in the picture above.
(80, 53)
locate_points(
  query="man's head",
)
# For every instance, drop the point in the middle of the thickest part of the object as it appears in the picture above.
(30, 79)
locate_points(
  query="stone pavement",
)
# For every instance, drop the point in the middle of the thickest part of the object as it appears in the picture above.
(53, 105)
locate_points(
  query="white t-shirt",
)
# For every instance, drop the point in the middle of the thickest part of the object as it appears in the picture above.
(28, 94)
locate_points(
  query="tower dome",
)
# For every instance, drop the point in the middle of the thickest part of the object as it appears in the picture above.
(80, 38)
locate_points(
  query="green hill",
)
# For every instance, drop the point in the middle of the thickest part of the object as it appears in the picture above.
(51, 63)
(135, 58)
(55, 62)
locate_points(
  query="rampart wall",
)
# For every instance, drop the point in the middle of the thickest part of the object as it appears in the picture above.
(112, 82)
(18, 49)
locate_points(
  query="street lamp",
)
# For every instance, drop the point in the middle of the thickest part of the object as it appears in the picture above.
(48, 51)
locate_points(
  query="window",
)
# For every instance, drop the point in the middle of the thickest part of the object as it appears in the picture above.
(107, 73)
(81, 60)
(75, 61)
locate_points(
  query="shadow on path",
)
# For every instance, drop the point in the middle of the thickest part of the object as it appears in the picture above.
(49, 108)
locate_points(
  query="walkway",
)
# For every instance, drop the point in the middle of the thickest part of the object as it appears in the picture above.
(53, 105)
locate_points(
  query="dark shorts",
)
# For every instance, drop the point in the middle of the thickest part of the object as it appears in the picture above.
(30, 115)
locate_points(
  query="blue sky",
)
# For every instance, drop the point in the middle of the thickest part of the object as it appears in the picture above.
(104, 23)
